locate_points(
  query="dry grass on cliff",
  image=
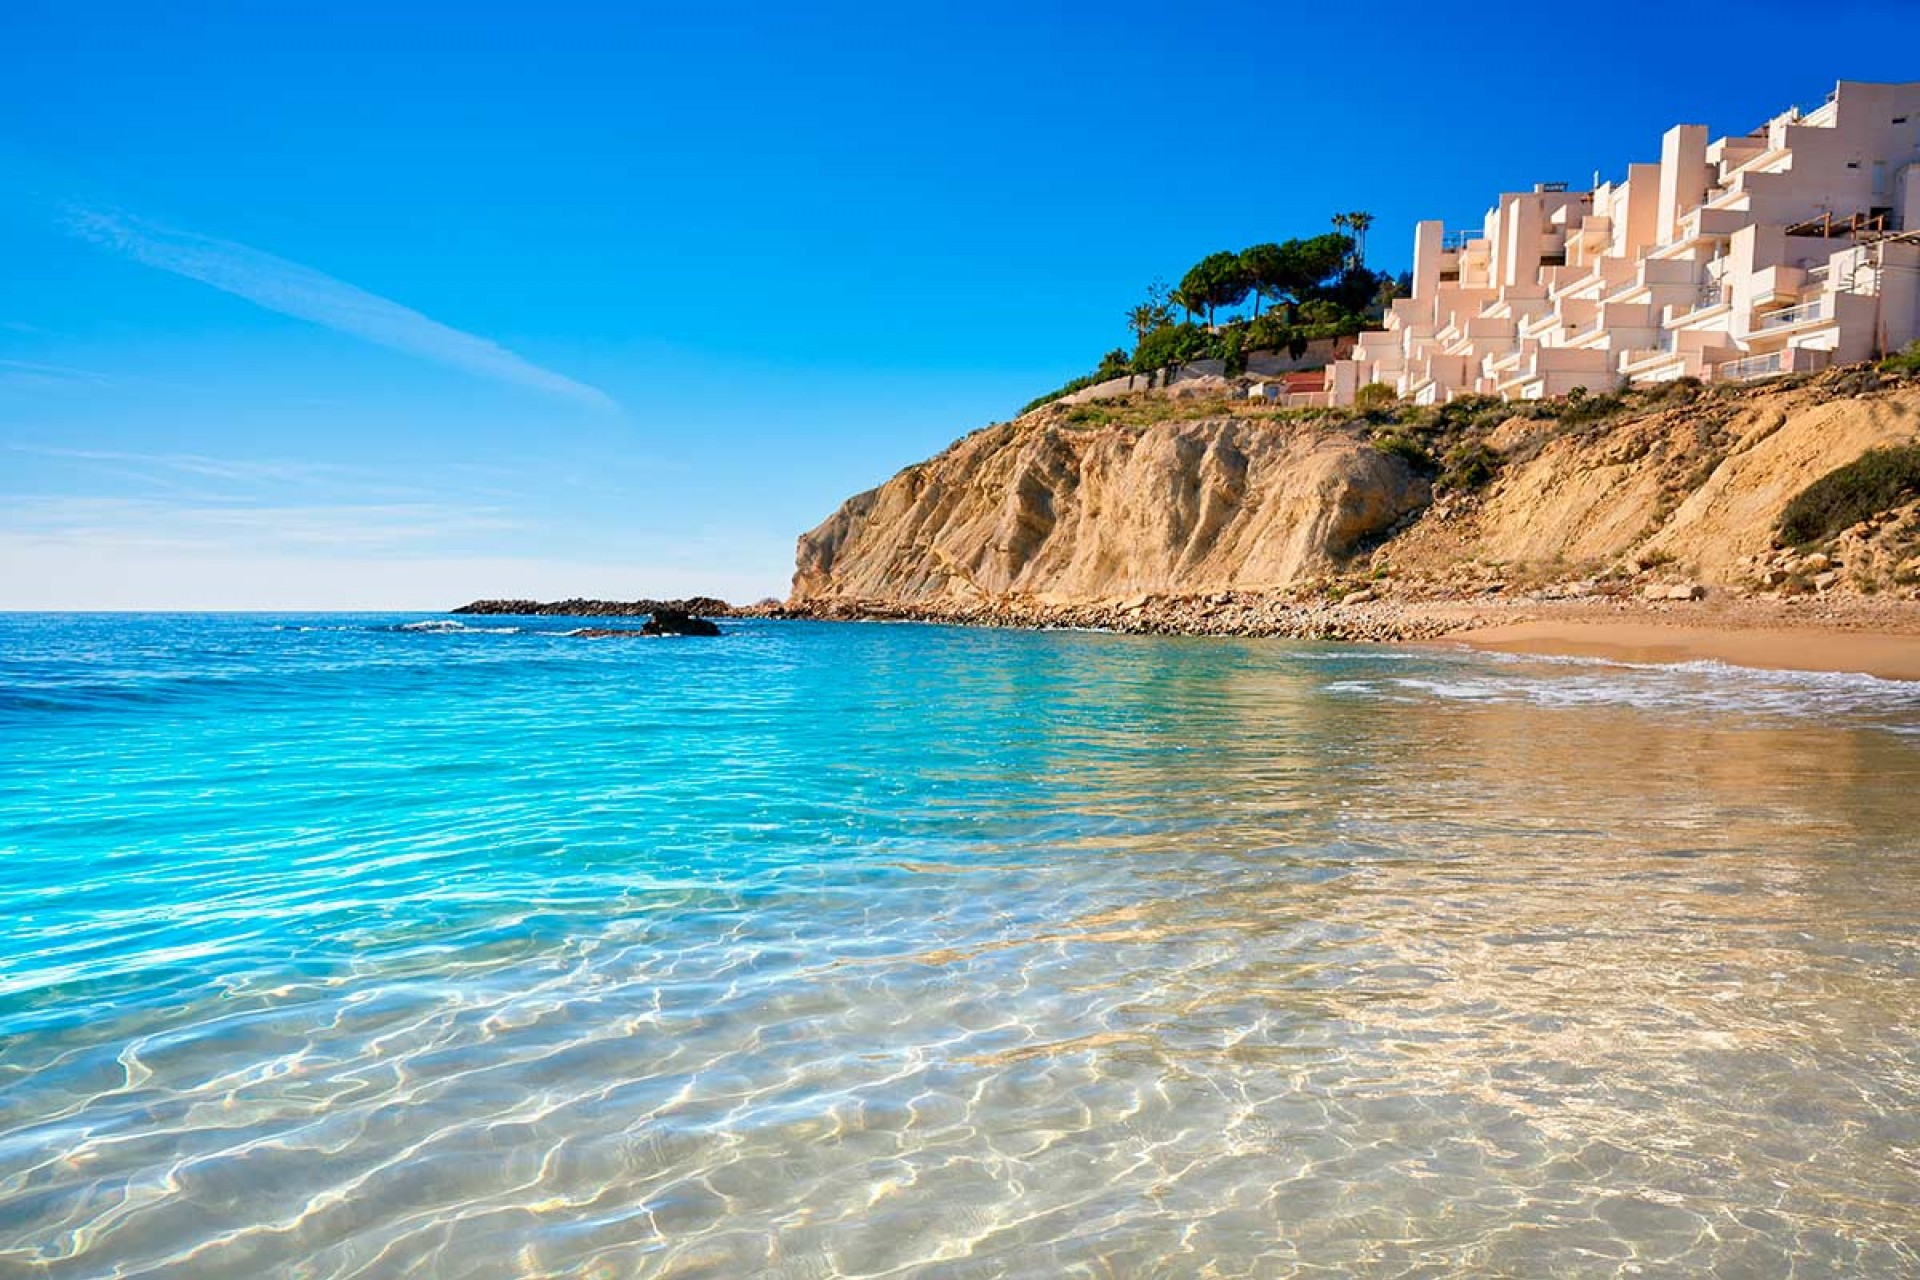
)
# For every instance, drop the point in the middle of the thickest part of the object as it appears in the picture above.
(1152, 408)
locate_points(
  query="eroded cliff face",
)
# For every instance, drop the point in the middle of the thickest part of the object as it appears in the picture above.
(1047, 508)
(1699, 487)
(1063, 512)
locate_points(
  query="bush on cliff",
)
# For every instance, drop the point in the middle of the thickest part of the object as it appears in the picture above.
(1375, 396)
(1170, 345)
(1907, 361)
(1409, 451)
(1871, 483)
(1470, 465)
(1579, 407)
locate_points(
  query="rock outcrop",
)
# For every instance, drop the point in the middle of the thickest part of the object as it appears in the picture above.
(676, 622)
(578, 608)
(1049, 508)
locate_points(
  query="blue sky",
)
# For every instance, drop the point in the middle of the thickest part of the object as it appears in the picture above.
(394, 305)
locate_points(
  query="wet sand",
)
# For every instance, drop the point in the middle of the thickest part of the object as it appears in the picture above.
(1888, 655)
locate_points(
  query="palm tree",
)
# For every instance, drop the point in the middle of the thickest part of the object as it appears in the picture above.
(1152, 314)
(1358, 223)
(1186, 302)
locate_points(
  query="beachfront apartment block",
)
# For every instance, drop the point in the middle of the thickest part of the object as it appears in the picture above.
(1790, 248)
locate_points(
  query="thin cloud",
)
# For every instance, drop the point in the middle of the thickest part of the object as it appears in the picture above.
(220, 528)
(247, 471)
(291, 289)
(27, 373)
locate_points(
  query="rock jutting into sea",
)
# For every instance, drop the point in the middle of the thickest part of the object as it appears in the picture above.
(695, 606)
(676, 622)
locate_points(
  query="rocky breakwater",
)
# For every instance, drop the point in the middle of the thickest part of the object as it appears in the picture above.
(695, 606)
(1056, 521)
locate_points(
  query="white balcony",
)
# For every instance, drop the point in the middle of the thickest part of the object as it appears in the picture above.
(1750, 368)
(1815, 312)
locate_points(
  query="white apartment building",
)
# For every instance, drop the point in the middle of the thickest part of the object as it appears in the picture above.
(1790, 248)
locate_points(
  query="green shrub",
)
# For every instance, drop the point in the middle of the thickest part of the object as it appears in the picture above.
(1092, 415)
(1475, 412)
(1675, 391)
(1375, 395)
(1170, 345)
(1907, 361)
(1469, 465)
(1871, 483)
(1233, 353)
(1408, 450)
(1579, 406)
(1270, 332)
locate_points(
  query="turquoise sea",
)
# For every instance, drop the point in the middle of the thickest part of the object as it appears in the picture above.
(393, 946)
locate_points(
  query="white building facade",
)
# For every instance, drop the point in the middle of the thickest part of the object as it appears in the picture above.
(1791, 248)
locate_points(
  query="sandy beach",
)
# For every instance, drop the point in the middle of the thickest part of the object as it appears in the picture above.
(1887, 654)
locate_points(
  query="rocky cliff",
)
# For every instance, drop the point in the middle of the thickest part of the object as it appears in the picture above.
(1072, 504)
(1051, 508)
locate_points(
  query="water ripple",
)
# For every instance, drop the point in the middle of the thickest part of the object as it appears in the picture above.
(357, 947)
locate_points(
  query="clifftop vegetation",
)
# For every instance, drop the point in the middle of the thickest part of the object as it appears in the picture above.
(1295, 291)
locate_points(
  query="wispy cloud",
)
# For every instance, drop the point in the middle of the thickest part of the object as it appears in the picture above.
(27, 373)
(291, 289)
(154, 465)
(77, 552)
(222, 528)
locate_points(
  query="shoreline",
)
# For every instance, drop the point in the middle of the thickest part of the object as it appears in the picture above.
(1873, 636)
(1880, 654)
(1867, 636)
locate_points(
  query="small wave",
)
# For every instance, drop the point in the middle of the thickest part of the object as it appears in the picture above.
(1715, 667)
(1687, 688)
(448, 626)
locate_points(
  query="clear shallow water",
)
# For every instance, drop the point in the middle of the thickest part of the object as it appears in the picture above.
(334, 948)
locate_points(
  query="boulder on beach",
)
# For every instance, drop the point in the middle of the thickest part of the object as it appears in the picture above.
(672, 622)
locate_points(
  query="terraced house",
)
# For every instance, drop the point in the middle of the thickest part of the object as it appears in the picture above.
(1785, 249)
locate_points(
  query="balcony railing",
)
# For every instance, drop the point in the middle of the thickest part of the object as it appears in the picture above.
(1751, 367)
(1805, 313)
(1710, 296)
